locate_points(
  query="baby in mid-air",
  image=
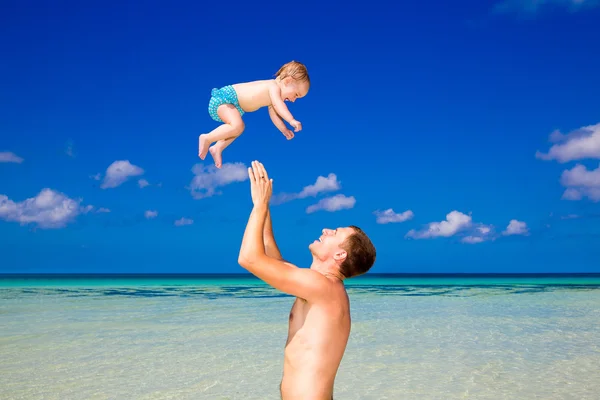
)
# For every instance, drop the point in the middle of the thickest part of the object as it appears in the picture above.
(229, 103)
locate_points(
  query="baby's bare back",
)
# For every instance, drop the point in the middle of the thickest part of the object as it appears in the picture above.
(254, 95)
(317, 339)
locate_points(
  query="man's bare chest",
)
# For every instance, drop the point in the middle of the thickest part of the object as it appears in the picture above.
(297, 316)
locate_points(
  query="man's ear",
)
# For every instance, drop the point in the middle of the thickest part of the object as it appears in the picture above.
(340, 255)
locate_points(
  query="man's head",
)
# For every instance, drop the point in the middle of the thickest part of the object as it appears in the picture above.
(350, 248)
(293, 80)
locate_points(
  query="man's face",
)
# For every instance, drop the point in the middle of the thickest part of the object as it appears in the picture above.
(328, 244)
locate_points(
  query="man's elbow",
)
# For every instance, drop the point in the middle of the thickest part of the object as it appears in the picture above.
(249, 261)
(246, 261)
(243, 260)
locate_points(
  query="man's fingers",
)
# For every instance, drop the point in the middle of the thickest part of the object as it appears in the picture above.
(251, 175)
(262, 171)
(255, 170)
(259, 171)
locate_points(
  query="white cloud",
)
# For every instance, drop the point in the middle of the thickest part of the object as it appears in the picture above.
(9, 157)
(143, 183)
(516, 228)
(49, 209)
(103, 210)
(389, 216)
(184, 221)
(572, 194)
(151, 214)
(323, 184)
(583, 143)
(533, 6)
(581, 182)
(480, 233)
(208, 179)
(484, 230)
(118, 172)
(331, 204)
(455, 222)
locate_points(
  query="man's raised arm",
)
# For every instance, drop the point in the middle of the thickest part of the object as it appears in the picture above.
(288, 278)
(270, 245)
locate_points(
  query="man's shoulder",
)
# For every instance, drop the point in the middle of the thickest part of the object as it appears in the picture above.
(331, 289)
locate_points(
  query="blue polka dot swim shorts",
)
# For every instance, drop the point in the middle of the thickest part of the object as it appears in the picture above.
(225, 95)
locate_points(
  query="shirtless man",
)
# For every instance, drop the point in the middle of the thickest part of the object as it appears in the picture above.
(319, 322)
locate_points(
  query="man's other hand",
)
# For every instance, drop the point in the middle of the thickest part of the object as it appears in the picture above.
(261, 187)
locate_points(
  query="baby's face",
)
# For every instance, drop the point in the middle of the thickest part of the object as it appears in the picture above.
(292, 89)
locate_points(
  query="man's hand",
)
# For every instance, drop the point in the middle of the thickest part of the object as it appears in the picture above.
(296, 125)
(261, 187)
(287, 133)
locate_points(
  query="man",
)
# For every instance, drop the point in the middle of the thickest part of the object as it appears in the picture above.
(319, 322)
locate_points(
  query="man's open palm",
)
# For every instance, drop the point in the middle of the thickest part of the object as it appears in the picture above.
(261, 187)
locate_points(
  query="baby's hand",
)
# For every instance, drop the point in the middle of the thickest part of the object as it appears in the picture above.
(296, 125)
(288, 134)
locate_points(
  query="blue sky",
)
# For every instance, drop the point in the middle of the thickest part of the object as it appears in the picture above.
(461, 136)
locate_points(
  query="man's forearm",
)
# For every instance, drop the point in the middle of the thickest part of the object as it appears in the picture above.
(253, 244)
(269, 239)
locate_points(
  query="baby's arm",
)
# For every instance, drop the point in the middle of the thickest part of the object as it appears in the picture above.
(277, 121)
(279, 104)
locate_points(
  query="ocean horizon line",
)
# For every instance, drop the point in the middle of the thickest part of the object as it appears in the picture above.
(375, 280)
(249, 275)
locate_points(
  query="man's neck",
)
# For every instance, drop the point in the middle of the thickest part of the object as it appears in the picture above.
(328, 270)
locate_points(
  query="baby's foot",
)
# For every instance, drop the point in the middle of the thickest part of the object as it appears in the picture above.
(203, 144)
(215, 152)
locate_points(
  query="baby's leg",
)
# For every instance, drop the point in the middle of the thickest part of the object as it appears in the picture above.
(233, 127)
(217, 148)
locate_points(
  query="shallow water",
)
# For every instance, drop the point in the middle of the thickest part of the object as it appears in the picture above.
(440, 341)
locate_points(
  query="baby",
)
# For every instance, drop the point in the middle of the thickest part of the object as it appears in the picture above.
(229, 103)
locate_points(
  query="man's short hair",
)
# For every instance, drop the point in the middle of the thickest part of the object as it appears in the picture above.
(360, 251)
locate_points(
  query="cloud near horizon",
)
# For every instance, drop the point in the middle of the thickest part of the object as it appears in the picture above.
(479, 234)
(10, 157)
(207, 179)
(49, 209)
(457, 223)
(323, 184)
(389, 216)
(118, 173)
(332, 204)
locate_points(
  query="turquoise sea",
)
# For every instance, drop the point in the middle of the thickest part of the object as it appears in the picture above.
(222, 337)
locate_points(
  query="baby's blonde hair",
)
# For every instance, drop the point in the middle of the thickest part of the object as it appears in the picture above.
(295, 70)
